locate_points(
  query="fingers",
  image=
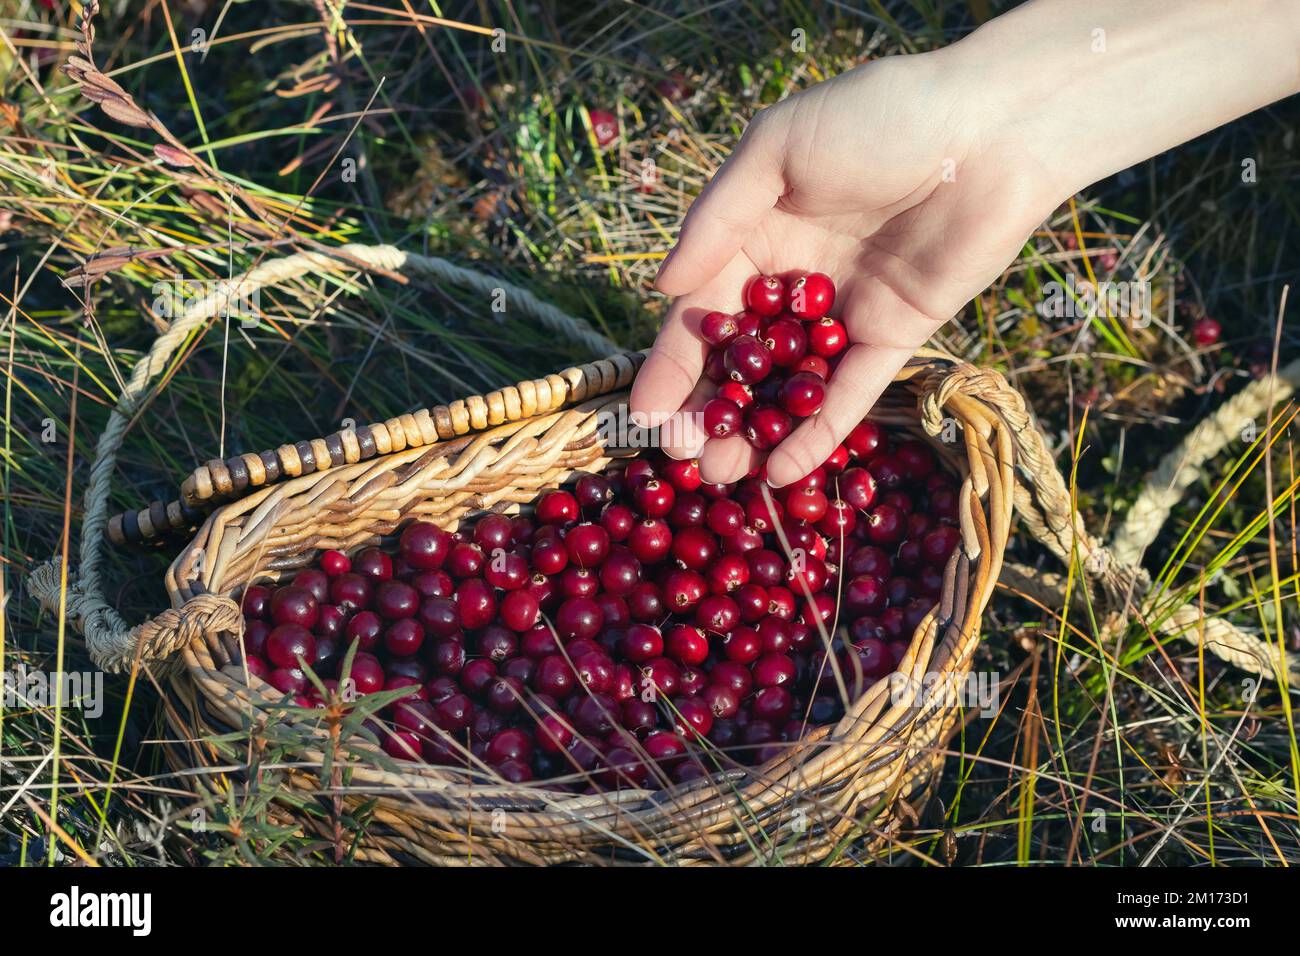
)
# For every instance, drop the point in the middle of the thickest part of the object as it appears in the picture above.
(682, 435)
(857, 382)
(727, 459)
(746, 188)
(674, 365)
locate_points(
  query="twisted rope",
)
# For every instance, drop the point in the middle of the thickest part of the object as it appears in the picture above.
(1184, 466)
(110, 640)
(1221, 638)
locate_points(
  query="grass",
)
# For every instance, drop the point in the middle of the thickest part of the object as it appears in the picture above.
(316, 124)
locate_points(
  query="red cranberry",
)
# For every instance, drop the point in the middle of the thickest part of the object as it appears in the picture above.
(644, 603)
(661, 675)
(365, 629)
(765, 295)
(505, 694)
(787, 341)
(653, 498)
(366, 674)
(294, 605)
(477, 674)
(578, 617)
(641, 642)
(256, 601)
(396, 600)
(314, 581)
(939, 544)
(351, 591)
(555, 677)
(865, 595)
(809, 504)
(802, 394)
(1206, 331)
(403, 638)
(693, 716)
(587, 544)
(687, 645)
(718, 328)
(742, 645)
(684, 589)
(772, 704)
(557, 507)
(454, 714)
(374, 564)
(618, 521)
(736, 392)
(815, 364)
(650, 540)
(476, 604)
(747, 360)
(857, 487)
(593, 492)
(811, 296)
(288, 680)
(604, 126)
(290, 644)
(448, 657)
(493, 531)
(827, 338)
(886, 525)
(519, 610)
(722, 418)
(683, 474)
(766, 426)
(554, 734)
(506, 570)
(733, 675)
(865, 440)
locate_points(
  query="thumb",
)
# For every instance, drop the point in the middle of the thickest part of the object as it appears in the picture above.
(745, 189)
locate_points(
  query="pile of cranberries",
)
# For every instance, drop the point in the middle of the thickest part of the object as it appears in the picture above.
(772, 361)
(627, 630)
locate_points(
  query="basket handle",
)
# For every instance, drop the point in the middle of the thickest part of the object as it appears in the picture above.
(113, 644)
(1043, 502)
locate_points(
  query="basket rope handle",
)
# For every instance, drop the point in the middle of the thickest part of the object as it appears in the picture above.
(112, 642)
(1044, 504)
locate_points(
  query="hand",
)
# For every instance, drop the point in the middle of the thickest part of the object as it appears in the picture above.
(893, 179)
(913, 181)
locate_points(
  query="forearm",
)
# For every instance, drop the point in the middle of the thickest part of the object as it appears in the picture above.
(1095, 87)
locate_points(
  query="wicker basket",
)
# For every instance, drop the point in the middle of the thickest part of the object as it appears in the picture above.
(848, 784)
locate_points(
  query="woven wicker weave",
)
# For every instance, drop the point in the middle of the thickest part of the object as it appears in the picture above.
(828, 790)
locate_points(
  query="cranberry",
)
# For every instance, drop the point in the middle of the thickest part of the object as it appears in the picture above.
(578, 617)
(814, 364)
(641, 642)
(505, 694)
(827, 338)
(653, 498)
(865, 594)
(454, 714)
(811, 296)
(433, 583)
(477, 674)
(722, 418)
(787, 341)
(424, 546)
(693, 716)
(555, 677)
(650, 540)
(644, 603)
(939, 544)
(742, 645)
(289, 645)
(747, 360)
(683, 474)
(403, 638)
(857, 486)
(765, 295)
(618, 521)
(314, 581)
(1206, 331)
(766, 426)
(493, 532)
(808, 504)
(364, 629)
(886, 525)
(772, 704)
(476, 604)
(604, 126)
(294, 605)
(742, 395)
(395, 600)
(366, 673)
(351, 591)
(661, 675)
(733, 675)
(802, 394)
(866, 440)
(374, 564)
(718, 328)
(557, 507)
(587, 544)
(683, 589)
(519, 610)
(256, 601)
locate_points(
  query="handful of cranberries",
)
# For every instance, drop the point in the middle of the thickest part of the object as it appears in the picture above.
(771, 361)
(632, 627)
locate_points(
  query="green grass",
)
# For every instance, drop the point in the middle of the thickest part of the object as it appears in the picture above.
(487, 157)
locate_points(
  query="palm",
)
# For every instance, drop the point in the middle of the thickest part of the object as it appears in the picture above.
(906, 214)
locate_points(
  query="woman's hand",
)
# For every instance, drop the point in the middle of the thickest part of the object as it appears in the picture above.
(901, 182)
(913, 181)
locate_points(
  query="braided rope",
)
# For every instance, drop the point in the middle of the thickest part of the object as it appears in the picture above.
(111, 640)
(1221, 638)
(1185, 465)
